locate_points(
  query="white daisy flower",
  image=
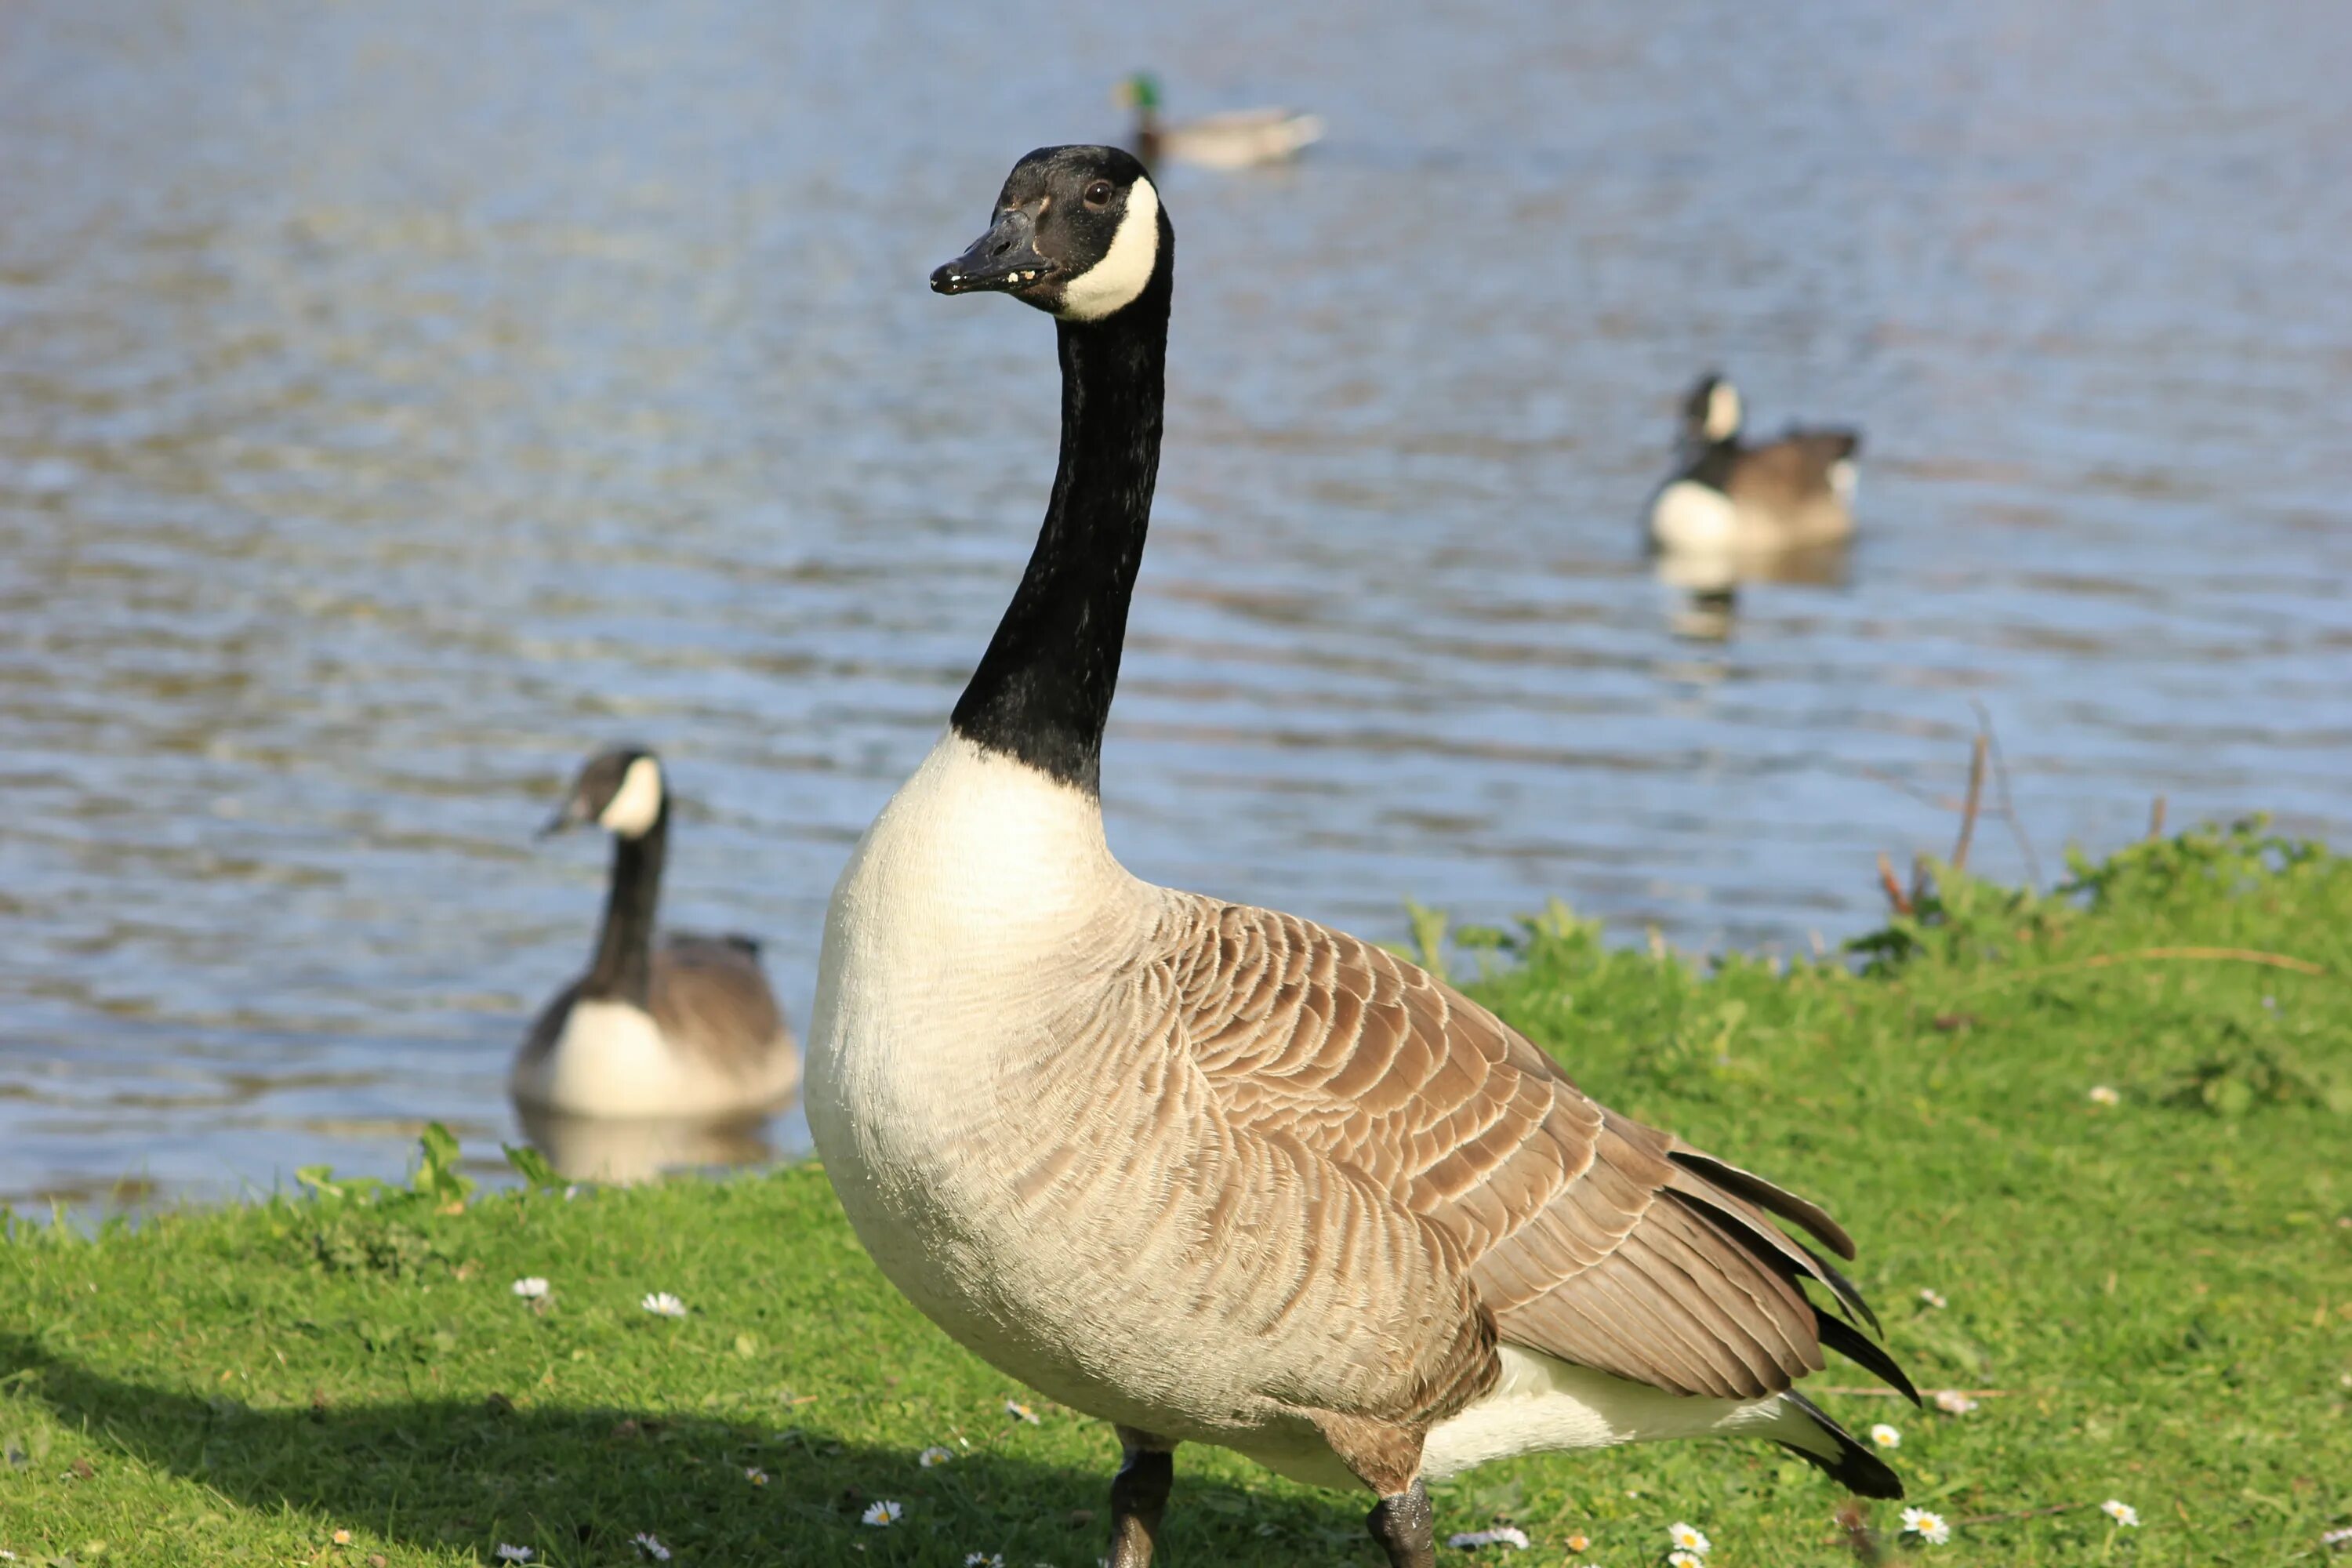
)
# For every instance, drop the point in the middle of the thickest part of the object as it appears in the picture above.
(756, 1476)
(2102, 1095)
(983, 1560)
(531, 1289)
(514, 1554)
(882, 1515)
(1886, 1436)
(1928, 1527)
(1952, 1402)
(650, 1544)
(1684, 1560)
(662, 1304)
(1933, 1299)
(1502, 1535)
(1687, 1538)
(1014, 1407)
(2337, 1540)
(2123, 1513)
(341, 1538)
(934, 1454)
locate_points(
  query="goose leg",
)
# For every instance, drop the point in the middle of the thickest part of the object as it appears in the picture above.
(1386, 1456)
(1139, 1495)
(1405, 1527)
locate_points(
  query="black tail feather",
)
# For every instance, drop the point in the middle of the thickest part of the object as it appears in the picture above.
(1845, 1290)
(1767, 1197)
(1855, 1346)
(1852, 1467)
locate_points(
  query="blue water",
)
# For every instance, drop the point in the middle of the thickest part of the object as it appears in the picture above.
(397, 403)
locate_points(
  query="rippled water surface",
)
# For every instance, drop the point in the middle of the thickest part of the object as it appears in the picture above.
(397, 402)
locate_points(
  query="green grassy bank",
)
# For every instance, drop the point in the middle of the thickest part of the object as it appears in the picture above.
(2160, 1289)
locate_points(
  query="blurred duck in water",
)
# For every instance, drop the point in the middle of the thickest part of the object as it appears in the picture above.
(1239, 138)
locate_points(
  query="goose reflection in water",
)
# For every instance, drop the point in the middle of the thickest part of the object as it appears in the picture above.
(603, 1149)
(1708, 583)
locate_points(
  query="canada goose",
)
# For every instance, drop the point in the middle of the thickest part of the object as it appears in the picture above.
(1726, 498)
(683, 1027)
(1238, 139)
(1218, 1174)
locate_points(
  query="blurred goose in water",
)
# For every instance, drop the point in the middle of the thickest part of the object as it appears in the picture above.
(682, 1027)
(1731, 499)
(1237, 139)
(1219, 1174)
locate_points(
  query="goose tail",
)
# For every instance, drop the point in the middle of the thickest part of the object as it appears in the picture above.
(1807, 1431)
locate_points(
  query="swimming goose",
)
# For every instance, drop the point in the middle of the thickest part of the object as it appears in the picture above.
(1729, 499)
(1237, 139)
(685, 1026)
(1218, 1174)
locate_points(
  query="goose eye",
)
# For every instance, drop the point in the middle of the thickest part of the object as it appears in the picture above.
(1099, 194)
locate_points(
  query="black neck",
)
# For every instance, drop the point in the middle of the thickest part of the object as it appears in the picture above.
(622, 971)
(1710, 462)
(1043, 690)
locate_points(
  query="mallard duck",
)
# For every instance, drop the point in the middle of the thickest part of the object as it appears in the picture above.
(1238, 139)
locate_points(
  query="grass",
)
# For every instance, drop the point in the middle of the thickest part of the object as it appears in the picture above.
(2160, 1288)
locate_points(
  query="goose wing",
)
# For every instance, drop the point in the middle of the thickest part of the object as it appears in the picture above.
(1791, 472)
(710, 998)
(1586, 1235)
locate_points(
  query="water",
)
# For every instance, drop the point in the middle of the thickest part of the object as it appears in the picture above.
(395, 404)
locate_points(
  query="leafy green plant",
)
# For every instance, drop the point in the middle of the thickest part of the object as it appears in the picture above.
(533, 1167)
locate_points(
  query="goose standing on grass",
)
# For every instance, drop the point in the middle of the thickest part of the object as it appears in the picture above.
(681, 1027)
(1218, 1174)
(1726, 499)
(1238, 139)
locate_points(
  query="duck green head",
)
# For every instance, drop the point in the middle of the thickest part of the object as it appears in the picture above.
(1140, 91)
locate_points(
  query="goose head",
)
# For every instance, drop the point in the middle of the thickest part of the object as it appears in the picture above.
(1078, 232)
(1711, 414)
(620, 790)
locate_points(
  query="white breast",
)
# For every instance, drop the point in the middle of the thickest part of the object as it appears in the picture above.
(1012, 1143)
(1688, 515)
(982, 893)
(610, 1060)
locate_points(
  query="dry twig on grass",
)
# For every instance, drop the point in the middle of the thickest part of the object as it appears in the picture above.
(1968, 807)
(2008, 803)
(2021, 1513)
(1896, 897)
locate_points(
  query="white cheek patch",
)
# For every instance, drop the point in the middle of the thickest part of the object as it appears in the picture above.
(638, 801)
(1112, 283)
(1722, 412)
